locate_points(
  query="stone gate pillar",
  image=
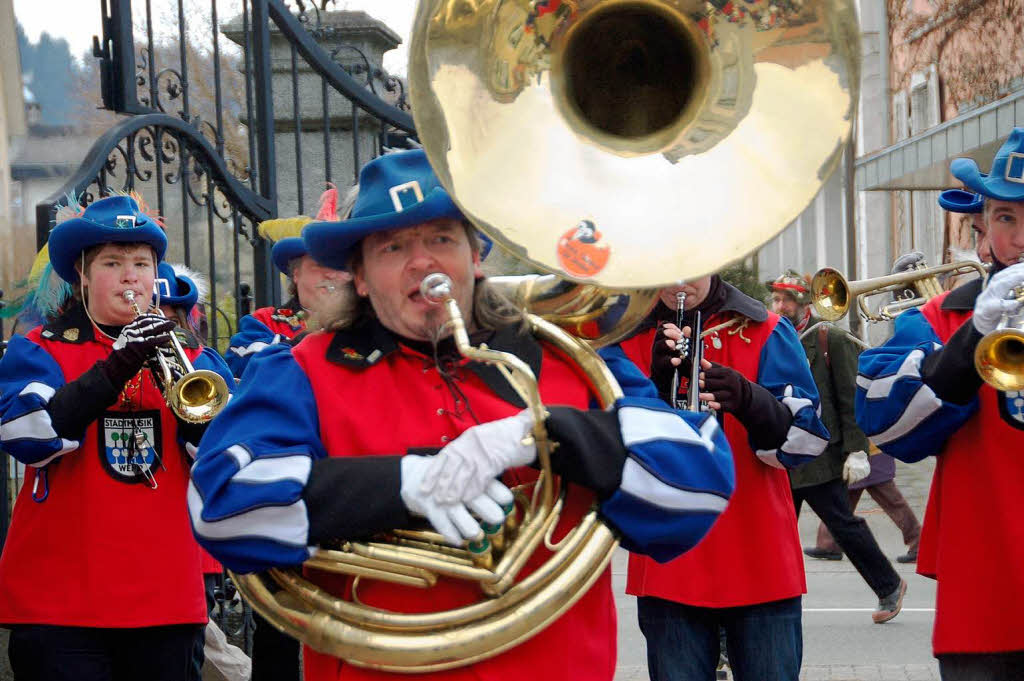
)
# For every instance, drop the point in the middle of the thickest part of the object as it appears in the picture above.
(354, 40)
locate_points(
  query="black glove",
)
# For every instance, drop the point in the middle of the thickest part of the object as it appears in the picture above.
(729, 387)
(765, 418)
(662, 368)
(134, 346)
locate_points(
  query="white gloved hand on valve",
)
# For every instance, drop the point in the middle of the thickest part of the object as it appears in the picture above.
(856, 467)
(452, 520)
(996, 298)
(465, 467)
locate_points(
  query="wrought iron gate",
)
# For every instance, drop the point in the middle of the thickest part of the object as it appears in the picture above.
(198, 138)
(195, 95)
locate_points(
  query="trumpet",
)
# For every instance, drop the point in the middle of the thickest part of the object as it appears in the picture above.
(831, 293)
(194, 395)
(999, 355)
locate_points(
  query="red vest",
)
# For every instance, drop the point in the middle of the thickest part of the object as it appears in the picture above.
(100, 552)
(752, 553)
(401, 402)
(972, 541)
(280, 321)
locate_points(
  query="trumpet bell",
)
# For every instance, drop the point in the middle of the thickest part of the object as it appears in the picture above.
(999, 359)
(587, 135)
(198, 396)
(830, 293)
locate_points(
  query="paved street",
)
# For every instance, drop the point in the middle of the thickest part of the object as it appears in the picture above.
(840, 640)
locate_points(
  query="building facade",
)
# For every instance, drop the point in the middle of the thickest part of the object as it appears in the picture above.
(956, 90)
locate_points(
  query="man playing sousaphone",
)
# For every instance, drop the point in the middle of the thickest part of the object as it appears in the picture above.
(100, 577)
(328, 439)
(920, 395)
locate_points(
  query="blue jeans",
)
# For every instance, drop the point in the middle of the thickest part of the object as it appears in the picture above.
(764, 641)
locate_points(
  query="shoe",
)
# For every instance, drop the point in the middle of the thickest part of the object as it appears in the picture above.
(823, 554)
(891, 605)
(908, 557)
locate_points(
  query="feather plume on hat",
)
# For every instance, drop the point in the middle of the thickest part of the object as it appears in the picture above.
(45, 292)
(201, 281)
(276, 229)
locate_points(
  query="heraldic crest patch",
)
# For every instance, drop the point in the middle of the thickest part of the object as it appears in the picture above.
(130, 444)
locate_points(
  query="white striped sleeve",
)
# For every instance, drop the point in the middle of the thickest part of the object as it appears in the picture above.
(29, 378)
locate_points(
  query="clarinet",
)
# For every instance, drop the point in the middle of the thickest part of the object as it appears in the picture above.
(689, 347)
(684, 350)
(696, 347)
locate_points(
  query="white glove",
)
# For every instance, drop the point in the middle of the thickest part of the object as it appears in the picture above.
(464, 468)
(996, 298)
(856, 467)
(451, 520)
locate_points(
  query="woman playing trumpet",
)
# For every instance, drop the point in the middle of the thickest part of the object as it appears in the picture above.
(100, 577)
(920, 395)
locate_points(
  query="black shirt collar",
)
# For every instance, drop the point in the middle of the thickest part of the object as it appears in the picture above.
(71, 326)
(74, 326)
(722, 297)
(368, 342)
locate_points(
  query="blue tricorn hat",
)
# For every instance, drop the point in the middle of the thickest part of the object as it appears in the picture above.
(115, 219)
(396, 190)
(1006, 180)
(175, 289)
(959, 201)
(286, 250)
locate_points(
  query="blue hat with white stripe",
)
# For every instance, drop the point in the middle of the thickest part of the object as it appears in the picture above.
(115, 219)
(175, 289)
(395, 190)
(1005, 182)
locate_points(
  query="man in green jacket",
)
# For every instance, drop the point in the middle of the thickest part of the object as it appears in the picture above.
(822, 483)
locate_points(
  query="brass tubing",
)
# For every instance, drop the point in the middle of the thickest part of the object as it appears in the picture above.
(319, 599)
(384, 572)
(440, 565)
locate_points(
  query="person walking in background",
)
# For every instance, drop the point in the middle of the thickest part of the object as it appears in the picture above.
(880, 484)
(822, 482)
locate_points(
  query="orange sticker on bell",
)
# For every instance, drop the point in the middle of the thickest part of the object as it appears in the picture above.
(580, 251)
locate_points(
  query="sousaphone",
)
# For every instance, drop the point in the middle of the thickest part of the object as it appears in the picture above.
(620, 144)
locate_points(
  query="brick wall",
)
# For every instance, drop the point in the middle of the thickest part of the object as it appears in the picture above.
(974, 48)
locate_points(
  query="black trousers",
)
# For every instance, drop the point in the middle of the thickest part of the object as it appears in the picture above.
(829, 501)
(275, 656)
(982, 666)
(51, 653)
